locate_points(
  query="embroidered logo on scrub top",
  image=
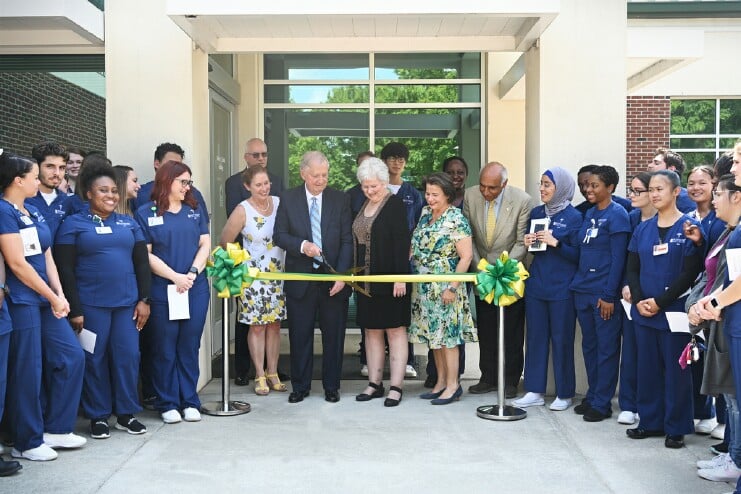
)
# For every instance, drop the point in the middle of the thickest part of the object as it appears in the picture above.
(38, 217)
(193, 215)
(559, 223)
(120, 222)
(59, 211)
(679, 240)
(408, 200)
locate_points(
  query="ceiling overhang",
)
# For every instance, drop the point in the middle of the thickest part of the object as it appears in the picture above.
(225, 26)
(50, 27)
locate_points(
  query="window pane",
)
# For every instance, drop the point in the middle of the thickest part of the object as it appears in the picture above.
(730, 116)
(435, 93)
(692, 143)
(727, 143)
(310, 94)
(336, 66)
(428, 66)
(696, 159)
(693, 116)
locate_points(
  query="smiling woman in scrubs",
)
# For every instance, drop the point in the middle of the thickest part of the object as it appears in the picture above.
(596, 286)
(662, 264)
(176, 231)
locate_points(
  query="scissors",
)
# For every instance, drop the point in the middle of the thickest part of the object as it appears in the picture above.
(354, 270)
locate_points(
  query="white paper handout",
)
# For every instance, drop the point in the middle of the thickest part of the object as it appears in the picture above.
(177, 303)
(535, 227)
(30, 239)
(87, 340)
(626, 306)
(733, 259)
(678, 322)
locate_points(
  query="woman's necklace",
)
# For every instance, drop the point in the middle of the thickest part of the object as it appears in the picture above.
(263, 209)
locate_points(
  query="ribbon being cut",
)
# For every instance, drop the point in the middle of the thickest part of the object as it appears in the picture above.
(501, 283)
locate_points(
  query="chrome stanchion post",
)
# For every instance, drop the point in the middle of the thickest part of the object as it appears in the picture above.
(501, 411)
(225, 407)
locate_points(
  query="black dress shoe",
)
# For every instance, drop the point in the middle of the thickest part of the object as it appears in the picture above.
(510, 392)
(481, 388)
(640, 433)
(297, 396)
(390, 402)
(594, 415)
(241, 380)
(9, 467)
(283, 376)
(582, 408)
(430, 382)
(378, 393)
(332, 396)
(674, 442)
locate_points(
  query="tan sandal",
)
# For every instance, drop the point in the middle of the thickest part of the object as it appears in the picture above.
(261, 387)
(279, 386)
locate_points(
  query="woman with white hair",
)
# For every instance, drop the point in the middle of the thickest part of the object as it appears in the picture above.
(381, 239)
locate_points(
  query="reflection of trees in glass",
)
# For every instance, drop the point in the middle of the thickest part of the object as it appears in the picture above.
(693, 116)
(730, 116)
(426, 154)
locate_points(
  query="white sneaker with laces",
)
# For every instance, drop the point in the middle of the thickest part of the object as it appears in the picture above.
(410, 371)
(706, 426)
(171, 417)
(717, 461)
(627, 417)
(727, 472)
(559, 405)
(529, 400)
(719, 432)
(190, 414)
(64, 441)
(39, 453)
(364, 371)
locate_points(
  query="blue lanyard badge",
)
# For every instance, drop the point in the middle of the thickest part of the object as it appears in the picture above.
(155, 220)
(591, 232)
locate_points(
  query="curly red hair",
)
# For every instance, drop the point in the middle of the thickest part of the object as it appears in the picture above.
(163, 179)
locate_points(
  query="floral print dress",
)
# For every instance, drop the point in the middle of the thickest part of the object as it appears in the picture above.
(263, 302)
(433, 251)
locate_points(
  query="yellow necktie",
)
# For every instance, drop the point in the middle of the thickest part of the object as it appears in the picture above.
(491, 222)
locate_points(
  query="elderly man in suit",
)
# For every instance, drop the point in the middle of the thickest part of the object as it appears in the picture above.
(498, 215)
(255, 154)
(314, 226)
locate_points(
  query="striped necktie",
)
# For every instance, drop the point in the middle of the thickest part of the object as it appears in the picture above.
(491, 222)
(316, 225)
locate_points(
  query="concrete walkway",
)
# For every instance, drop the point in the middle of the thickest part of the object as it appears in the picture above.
(351, 447)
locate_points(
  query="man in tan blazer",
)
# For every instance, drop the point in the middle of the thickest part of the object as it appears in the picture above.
(499, 216)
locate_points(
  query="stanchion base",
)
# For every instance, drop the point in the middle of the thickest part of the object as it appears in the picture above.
(217, 408)
(508, 413)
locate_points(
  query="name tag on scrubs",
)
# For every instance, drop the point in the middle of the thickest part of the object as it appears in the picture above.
(101, 230)
(31, 243)
(661, 249)
(155, 220)
(592, 232)
(26, 220)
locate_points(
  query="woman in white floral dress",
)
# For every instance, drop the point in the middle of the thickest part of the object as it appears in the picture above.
(263, 304)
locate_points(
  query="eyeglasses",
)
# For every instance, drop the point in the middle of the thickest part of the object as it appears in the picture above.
(636, 192)
(184, 182)
(396, 159)
(257, 155)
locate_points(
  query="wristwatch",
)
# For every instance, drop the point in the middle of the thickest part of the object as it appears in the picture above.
(193, 270)
(146, 300)
(716, 305)
(452, 288)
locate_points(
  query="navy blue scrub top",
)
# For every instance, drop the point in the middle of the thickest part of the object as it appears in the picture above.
(732, 313)
(174, 241)
(143, 197)
(658, 272)
(105, 270)
(13, 221)
(552, 270)
(55, 212)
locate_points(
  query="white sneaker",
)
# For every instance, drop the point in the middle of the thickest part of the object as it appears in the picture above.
(728, 472)
(717, 461)
(719, 432)
(171, 417)
(364, 371)
(529, 400)
(64, 441)
(190, 414)
(559, 405)
(627, 417)
(410, 371)
(706, 426)
(39, 453)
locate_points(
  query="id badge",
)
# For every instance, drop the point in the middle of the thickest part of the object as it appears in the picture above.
(102, 230)
(26, 220)
(155, 220)
(661, 249)
(31, 243)
(592, 232)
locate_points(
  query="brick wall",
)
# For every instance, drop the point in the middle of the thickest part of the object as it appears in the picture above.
(36, 106)
(647, 129)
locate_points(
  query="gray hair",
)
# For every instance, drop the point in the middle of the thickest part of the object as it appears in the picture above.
(493, 164)
(313, 157)
(373, 169)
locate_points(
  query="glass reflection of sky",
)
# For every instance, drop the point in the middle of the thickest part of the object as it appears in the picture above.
(318, 93)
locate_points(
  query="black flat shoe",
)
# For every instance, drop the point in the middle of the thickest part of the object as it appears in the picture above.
(430, 382)
(241, 380)
(594, 415)
(9, 467)
(640, 433)
(332, 396)
(674, 442)
(446, 401)
(297, 396)
(482, 387)
(390, 402)
(582, 407)
(378, 393)
(431, 395)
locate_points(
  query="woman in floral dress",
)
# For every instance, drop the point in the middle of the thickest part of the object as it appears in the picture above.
(263, 303)
(441, 314)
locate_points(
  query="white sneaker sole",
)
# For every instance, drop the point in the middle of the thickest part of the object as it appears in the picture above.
(134, 433)
(32, 457)
(535, 403)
